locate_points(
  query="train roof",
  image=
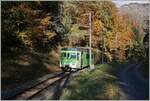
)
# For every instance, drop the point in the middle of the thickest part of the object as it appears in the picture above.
(75, 49)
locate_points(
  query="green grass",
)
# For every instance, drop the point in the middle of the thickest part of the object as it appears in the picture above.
(99, 84)
(111, 68)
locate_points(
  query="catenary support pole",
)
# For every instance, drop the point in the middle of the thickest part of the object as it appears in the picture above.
(90, 32)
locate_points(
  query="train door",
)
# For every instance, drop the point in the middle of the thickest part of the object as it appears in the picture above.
(79, 60)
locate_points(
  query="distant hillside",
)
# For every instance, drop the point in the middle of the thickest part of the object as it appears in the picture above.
(135, 10)
(137, 13)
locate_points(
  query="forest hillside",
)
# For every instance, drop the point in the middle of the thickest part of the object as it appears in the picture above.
(33, 32)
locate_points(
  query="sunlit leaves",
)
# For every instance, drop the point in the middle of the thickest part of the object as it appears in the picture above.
(45, 21)
(25, 37)
(97, 26)
(109, 30)
(44, 24)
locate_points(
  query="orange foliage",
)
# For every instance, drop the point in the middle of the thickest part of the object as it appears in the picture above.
(46, 21)
(97, 26)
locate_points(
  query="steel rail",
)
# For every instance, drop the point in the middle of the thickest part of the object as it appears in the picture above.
(40, 87)
(29, 85)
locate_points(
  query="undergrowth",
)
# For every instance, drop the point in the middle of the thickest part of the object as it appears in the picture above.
(99, 84)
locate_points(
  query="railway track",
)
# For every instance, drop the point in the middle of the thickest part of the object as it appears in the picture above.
(28, 94)
(46, 86)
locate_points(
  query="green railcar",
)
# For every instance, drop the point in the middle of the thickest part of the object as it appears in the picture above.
(74, 58)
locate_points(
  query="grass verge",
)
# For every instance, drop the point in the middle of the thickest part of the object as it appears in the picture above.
(99, 84)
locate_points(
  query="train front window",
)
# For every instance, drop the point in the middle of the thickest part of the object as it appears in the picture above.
(63, 55)
(73, 56)
(68, 55)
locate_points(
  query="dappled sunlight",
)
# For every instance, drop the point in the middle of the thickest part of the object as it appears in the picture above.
(112, 91)
(41, 38)
(29, 66)
(52, 68)
(26, 60)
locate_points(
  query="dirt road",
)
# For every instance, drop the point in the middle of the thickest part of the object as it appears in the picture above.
(132, 84)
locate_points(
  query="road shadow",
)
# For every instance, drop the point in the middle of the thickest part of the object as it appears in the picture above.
(130, 84)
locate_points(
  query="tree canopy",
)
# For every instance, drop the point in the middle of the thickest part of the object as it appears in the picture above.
(43, 26)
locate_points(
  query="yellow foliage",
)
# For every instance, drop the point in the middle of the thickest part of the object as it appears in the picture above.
(50, 34)
(111, 91)
(45, 21)
(122, 56)
(97, 26)
(25, 37)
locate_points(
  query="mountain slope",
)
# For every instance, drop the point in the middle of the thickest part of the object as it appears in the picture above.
(137, 13)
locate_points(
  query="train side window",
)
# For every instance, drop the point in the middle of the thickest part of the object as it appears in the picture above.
(87, 56)
(67, 55)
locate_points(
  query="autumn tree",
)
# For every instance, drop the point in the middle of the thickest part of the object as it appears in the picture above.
(32, 25)
(110, 33)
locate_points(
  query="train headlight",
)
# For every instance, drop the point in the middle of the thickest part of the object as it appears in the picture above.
(73, 64)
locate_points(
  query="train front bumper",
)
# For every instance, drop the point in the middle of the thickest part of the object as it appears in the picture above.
(67, 66)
